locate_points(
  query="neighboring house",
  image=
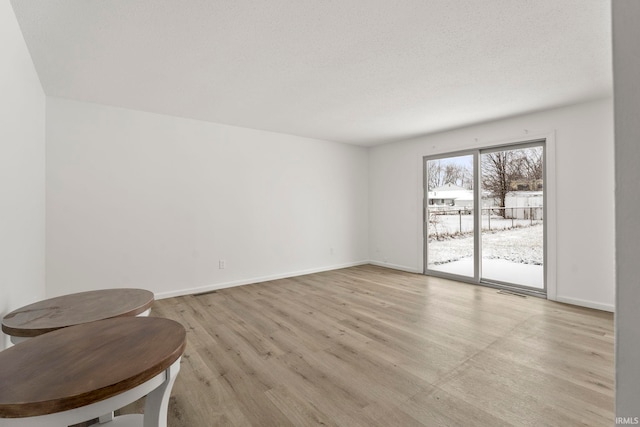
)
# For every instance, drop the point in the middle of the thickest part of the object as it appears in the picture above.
(518, 204)
(450, 195)
(526, 185)
(524, 205)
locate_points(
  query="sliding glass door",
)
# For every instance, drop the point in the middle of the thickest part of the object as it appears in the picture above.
(484, 216)
(449, 215)
(512, 238)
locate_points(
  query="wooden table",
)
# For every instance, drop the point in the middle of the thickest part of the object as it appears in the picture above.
(75, 309)
(82, 372)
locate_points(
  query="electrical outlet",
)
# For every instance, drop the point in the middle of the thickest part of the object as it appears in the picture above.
(222, 264)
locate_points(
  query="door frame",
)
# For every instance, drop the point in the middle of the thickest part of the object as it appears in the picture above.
(548, 141)
(425, 228)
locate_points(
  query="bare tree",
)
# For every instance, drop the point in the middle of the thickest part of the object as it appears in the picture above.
(465, 178)
(501, 168)
(435, 176)
(496, 174)
(531, 163)
(441, 173)
(457, 174)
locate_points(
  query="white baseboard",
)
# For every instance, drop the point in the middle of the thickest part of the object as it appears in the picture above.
(585, 303)
(216, 286)
(248, 281)
(395, 266)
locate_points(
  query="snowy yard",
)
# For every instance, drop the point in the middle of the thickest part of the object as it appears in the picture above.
(520, 245)
(511, 256)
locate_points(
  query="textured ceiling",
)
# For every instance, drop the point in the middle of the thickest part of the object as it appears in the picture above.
(356, 71)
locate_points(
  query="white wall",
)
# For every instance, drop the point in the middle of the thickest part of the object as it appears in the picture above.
(22, 164)
(152, 201)
(626, 69)
(584, 183)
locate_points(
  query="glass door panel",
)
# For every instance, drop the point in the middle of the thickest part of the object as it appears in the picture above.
(512, 208)
(449, 215)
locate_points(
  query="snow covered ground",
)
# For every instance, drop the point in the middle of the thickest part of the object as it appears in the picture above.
(522, 245)
(512, 255)
(498, 269)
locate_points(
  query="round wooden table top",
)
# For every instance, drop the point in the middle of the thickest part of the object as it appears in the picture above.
(75, 309)
(80, 365)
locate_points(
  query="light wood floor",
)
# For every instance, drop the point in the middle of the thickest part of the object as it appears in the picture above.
(368, 346)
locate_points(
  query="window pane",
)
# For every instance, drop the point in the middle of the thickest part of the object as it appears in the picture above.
(449, 215)
(512, 238)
